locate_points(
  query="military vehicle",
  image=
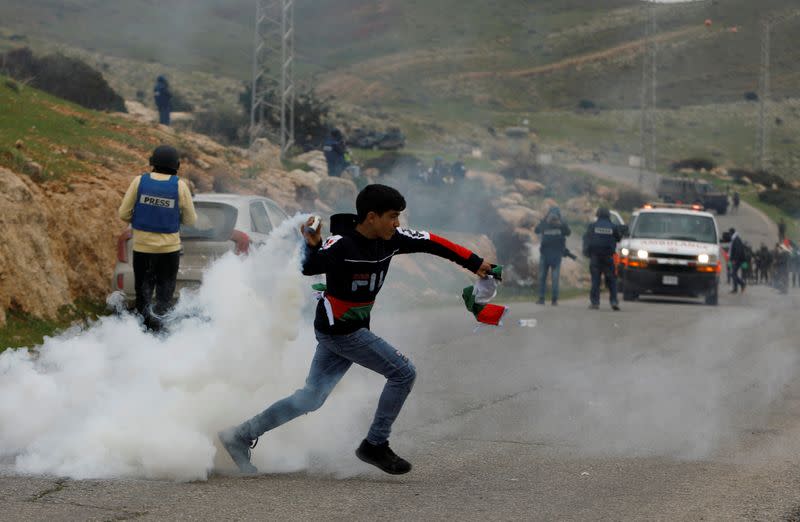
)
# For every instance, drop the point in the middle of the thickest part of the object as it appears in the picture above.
(692, 191)
(392, 139)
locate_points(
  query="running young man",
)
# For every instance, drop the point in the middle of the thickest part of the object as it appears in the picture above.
(355, 261)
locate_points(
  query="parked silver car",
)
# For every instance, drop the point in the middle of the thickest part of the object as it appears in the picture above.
(225, 222)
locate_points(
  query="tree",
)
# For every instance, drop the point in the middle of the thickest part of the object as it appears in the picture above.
(310, 114)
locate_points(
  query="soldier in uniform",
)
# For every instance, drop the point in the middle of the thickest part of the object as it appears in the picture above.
(599, 245)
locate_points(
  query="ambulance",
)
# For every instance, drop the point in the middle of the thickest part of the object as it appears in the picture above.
(671, 250)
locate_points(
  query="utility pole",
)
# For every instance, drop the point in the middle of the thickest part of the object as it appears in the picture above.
(648, 92)
(273, 72)
(769, 23)
(762, 132)
(649, 87)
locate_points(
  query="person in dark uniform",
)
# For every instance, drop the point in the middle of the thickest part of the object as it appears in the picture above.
(553, 233)
(156, 204)
(163, 99)
(738, 256)
(458, 171)
(783, 256)
(781, 230)
(599, 245)
(794, 264)
(335, 151)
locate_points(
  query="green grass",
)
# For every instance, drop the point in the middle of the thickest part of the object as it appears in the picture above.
(774, 213)
(53, 132)
(23, 330)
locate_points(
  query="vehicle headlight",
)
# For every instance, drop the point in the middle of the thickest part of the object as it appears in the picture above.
(625, 252)
(702, 258)
(642, 254)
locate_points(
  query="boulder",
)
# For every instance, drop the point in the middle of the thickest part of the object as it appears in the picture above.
(339, 194)
(528, 187)
(265, 154)
(57, 245)
(581, 207)
(606, 193)
(515, 197)
(491, 181)
(314, 159)
(516, 216)
(547, 204)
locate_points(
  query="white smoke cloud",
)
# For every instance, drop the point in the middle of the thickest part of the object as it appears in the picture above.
(113, 401)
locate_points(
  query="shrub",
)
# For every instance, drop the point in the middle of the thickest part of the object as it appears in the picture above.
(226, 125)
(63, 76)
(310, 114)
(629, 199)
(180, 103)
(763, 177)
(694, 164)
(395, 163)
(788, 200)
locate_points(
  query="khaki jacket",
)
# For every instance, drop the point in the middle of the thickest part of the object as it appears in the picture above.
(154, 242)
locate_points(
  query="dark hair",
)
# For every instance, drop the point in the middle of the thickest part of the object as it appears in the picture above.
(379, 199)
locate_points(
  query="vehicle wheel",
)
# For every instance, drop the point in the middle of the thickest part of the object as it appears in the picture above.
(722, 211)
(712, 299)
(629, 296)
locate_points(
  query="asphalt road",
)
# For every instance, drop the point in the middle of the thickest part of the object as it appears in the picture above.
(668, 410)
(752, 224)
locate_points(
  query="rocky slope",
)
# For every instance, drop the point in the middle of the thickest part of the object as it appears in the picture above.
(59, 194)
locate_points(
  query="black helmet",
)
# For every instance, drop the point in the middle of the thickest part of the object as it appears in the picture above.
(603, 213)
(336, 134)
(165, 159)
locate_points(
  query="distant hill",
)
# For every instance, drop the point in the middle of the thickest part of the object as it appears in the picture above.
(446, 71)
(525, 54)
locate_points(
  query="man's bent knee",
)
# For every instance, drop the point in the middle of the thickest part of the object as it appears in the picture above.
(307, 400)
(405, 375)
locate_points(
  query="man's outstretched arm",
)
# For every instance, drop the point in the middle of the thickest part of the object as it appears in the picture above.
(411, 241)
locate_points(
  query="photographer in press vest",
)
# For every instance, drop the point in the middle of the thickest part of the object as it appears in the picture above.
(156, 204)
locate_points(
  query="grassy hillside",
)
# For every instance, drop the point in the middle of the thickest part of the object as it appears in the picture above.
(420, 51)
(61, 137)
(456, 67)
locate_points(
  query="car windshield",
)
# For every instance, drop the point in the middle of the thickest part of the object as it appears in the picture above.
(686, 227)
(215, 221)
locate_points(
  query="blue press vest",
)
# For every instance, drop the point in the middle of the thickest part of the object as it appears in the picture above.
(157, 208)
(601, 240)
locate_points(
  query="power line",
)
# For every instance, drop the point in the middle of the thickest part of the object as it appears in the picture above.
(273, 72)
(762, 131)
(649, 87)
(768, 24)
(649, 90)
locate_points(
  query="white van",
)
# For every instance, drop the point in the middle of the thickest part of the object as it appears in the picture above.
(671, 250)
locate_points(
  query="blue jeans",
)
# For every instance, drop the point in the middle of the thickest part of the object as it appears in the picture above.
(602, 265)
(552, 263)
(334, 355)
